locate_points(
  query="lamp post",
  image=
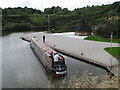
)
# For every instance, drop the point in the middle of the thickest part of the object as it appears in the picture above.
(48, 24)
(111, 36)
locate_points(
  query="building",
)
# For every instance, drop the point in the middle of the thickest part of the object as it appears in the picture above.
(83, 29)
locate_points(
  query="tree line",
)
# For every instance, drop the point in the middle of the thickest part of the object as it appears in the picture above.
(61, 19)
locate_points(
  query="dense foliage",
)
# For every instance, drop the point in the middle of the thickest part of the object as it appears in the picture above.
(20, 11)
(25, 19)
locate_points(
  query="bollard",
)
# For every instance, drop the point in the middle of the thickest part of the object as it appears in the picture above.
(81, 53)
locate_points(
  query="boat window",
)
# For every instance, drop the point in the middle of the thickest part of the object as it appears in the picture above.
(40, 51)
(44, 56)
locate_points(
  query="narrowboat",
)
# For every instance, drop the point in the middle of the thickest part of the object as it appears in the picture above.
(44, 54)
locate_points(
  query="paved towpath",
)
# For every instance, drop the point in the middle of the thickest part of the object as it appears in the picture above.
(91, 51)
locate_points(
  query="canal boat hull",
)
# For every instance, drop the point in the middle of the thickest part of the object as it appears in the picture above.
(44, 57)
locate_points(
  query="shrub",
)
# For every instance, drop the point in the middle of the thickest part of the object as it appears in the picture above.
(18, 27)
(108, 28)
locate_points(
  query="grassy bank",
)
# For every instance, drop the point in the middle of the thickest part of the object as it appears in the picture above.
(98, 38)
(60, 31)
(114, 51)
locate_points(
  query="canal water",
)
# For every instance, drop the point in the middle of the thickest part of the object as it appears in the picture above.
(22, 69)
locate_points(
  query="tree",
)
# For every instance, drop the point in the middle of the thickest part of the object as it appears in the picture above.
(65, 11)
(56, 10)
(48, 11)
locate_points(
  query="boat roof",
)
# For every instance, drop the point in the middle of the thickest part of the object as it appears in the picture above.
(43, 46)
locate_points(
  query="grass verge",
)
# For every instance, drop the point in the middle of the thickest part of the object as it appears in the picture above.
(98, 38)
(60, 31)
(114, 51)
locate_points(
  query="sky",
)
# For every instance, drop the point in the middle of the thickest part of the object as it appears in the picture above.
(41, 4)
